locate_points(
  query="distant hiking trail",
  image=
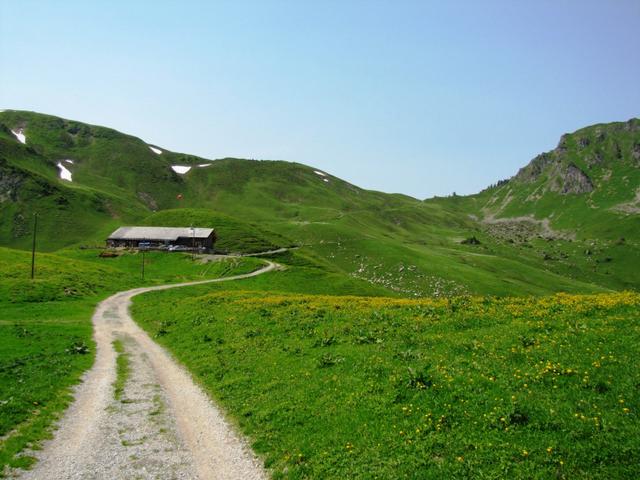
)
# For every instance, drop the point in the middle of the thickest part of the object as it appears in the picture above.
(163, 427)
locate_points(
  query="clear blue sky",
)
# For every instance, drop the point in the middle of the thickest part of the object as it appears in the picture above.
(423, 97)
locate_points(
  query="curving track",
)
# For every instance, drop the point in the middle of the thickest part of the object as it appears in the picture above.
(163, 427)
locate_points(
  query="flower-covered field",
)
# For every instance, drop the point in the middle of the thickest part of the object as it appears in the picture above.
(470, 387)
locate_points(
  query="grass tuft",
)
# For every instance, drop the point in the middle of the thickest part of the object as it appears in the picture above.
(123, 369)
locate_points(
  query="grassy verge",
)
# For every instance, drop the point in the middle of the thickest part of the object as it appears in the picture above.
(353, 387)
(44, 348)
(123, 369)
(46, 333)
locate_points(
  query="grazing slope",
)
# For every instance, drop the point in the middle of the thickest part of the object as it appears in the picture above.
(587, 187)
(352, 387)
(582, 194)
(575, 208)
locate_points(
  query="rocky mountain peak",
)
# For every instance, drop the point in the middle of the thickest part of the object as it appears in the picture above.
(580, 157)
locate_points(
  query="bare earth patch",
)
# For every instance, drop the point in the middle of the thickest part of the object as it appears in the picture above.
(523, 228)
(631, 207)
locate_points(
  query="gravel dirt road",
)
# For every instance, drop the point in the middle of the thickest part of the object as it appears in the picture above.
(163, 427)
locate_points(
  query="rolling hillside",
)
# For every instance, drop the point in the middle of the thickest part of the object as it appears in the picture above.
(576, 206)
(581, 195)
(587, 187)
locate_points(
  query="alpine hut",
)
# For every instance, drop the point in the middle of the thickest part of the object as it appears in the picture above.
(179, 238)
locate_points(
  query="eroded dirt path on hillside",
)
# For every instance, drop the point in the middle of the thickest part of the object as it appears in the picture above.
(163, 427)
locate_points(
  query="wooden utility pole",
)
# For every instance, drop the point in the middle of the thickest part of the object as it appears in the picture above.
(33, 246)
(193, 243)
(143, 249)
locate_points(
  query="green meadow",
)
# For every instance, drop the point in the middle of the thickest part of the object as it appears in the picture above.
(44, 348)
(373, 387)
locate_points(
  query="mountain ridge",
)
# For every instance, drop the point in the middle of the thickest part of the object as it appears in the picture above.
(580, 185)
(409, 246)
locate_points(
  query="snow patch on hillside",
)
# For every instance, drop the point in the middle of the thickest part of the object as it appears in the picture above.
(155, 150)
(20, 135)
(69, 161)
(65, 174)
(326, 180)
(202, 165)
(317, 172)
(181, 169)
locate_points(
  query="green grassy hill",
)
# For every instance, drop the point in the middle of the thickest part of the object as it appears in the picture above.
(587, 187)
(575, 209)
(395, 242)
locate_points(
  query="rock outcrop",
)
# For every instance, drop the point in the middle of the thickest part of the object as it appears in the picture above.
(572, 181)
(532, 172)
(10, 183)
(584, 160)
